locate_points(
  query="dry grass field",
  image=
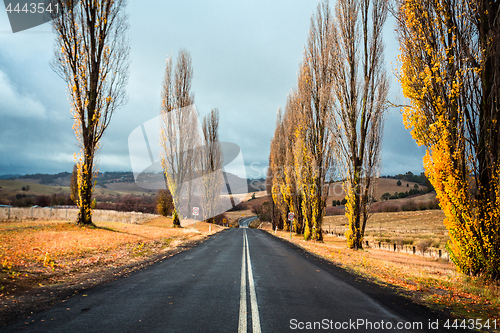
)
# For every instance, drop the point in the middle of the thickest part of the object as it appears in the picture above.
(402, 228)
(123, 188)
(39, 253)
(12, 187)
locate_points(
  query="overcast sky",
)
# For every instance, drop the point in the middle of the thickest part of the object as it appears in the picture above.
(245, 59)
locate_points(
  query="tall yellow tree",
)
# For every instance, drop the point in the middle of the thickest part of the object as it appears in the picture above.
(301, 156)
(277, 160)
(91, 55)
(361, 88)
(313, 147)
(275, 216)
(291, 123)
(287, 196)
(450, 73)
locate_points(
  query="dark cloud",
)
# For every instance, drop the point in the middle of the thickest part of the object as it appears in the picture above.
(400, 153)
(245, 58)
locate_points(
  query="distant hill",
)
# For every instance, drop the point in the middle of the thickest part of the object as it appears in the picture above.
(9, 176)
(119, 181)
(383, 185)
(123, 182)
(64, 178)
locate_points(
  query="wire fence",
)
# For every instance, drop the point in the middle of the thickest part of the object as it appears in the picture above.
(70, 213)
(395, 247)
(412, 249)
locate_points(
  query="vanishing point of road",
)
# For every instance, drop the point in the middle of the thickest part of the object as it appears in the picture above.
(239, 280)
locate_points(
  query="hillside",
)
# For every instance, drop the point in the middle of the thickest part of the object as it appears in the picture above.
(13, 187)
(383, 185)
(15, 192)
(119, 181)
(64, 178)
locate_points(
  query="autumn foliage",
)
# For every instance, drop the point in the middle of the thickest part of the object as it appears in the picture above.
(450, 73)
(333, 117)
(301, 156)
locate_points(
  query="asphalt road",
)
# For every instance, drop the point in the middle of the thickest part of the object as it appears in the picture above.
(240, 280)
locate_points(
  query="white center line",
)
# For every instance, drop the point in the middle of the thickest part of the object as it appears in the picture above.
(253, 296)
(242, 325)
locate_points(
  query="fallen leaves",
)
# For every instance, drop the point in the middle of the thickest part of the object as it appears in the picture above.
(39, 250)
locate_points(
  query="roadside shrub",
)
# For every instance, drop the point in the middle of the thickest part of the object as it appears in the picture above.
(408, 241)
(386, 196)
(399, 242)
(219, 219)
(60, 200)
(413, 206)
(42, 200)
(385, 240)
(332, 211)
(433, 204)
(391, 208)
(22, 201)
(254, 224)
(164, 203)
(128, 203)
(384, 207)
(436, 243)
(409, 206)
(424, 245)
(175, 219)
(263, 211)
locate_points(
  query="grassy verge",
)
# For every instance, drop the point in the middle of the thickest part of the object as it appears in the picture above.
(402, 228)
(255, 224)
(45, 253)
(432, 282)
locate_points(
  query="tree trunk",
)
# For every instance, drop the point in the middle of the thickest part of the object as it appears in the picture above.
(85, 191)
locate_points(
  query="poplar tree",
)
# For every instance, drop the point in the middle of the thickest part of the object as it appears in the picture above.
(179, 129)
(92, 57)
(277, 165)
(313, 148)
(301, 151)
(360, 88)
(211, 164)
(450, 73)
